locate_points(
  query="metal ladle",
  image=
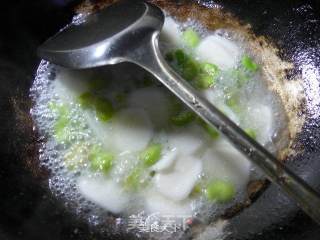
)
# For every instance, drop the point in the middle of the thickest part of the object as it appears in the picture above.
(129, 32)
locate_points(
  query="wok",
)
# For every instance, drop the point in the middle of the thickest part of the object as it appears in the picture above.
(28, 210)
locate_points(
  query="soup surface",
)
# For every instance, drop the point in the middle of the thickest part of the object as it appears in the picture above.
(118, 142)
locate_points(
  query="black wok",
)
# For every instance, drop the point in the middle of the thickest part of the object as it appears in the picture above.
(28, 210)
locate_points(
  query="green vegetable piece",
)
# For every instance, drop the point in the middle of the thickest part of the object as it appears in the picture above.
(204, 81)
(210, 69)
(251, 132)
(183, 64)
(207, 76)
(187, 66)
(220, 191)
(62, 135)
(61, 129)
(59, 109)
(133, 181)
(180, 57)
(191, 38)
(182, 118)
(197, 189)
(180, 115)
(61, 126)
(64, 128)
(233, 103)
(104, 109)
(86, 100)
(213, 133)
(101, 160)
(61, 122)
(103, 106)
(249, 64)
(190, 70)
(151, 154)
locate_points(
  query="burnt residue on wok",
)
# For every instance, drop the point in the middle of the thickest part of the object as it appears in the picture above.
(294, 32)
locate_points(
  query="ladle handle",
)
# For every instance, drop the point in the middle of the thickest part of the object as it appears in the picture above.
(305, 196)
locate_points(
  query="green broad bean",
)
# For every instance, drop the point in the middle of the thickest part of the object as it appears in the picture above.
(191, 38)
(220, 191)
(151, 154)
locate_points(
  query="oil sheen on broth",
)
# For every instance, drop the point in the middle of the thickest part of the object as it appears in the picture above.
(115, 139)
